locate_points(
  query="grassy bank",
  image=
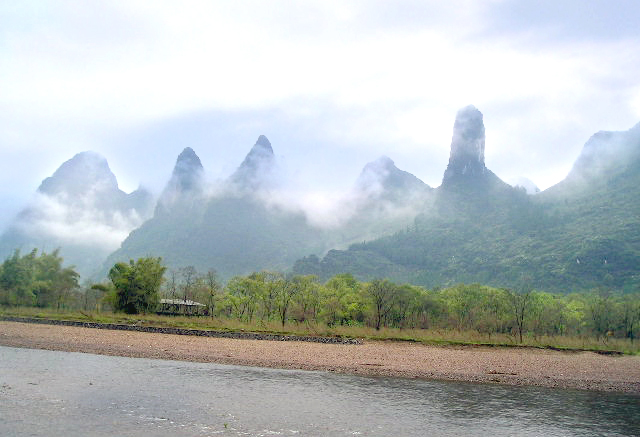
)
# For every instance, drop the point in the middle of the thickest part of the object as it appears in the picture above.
(426, 336)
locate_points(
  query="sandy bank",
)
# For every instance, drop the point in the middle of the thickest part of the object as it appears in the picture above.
(584, 370)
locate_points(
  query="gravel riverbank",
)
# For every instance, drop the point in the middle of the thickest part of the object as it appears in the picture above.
(521, 366)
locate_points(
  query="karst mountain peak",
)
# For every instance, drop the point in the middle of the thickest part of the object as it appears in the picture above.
(466, 159)
(257, 167)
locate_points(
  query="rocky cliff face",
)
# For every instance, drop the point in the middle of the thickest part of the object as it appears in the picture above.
(467, 181)
(466, 160)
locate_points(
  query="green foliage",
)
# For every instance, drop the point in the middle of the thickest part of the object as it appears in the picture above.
(274, 301)
(136, 285)
(464, 313)
(383, 294)
(242, 297)
(236, 235)
(576, 236)
(381, 303)
(342, 298)
(36, 280)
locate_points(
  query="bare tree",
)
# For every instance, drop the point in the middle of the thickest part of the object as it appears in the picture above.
(383, 294)
(172, 285)
(287, 288)
(520, 307)
(189, 278)
(213, 288)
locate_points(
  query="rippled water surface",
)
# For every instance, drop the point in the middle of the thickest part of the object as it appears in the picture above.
(44, 393)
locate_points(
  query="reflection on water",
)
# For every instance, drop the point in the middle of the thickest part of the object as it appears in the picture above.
(44, 393)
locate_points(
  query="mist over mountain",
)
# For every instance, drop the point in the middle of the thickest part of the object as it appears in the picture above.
(466, 159)
(231, 228)
(466, 171)
(186, 183)
(604, 156)
(581, 234)
(248, 222)
(382, 179)
(80, 210)
(526, 184)
(257, 169)
(187, 174)
(383, 200)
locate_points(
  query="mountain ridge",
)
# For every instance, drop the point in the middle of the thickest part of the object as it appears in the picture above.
(80, 210)
(237, 229)
(482, 230)
(582, 233)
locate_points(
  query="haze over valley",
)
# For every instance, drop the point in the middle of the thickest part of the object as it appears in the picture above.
(318, 138)
(430, 209)
(579, 234)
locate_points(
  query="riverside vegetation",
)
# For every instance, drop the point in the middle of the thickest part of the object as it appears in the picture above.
(38, 286)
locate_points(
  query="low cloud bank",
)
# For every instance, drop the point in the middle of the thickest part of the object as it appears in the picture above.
(80, 222)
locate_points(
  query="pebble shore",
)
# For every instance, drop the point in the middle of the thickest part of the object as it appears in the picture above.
(521, 366)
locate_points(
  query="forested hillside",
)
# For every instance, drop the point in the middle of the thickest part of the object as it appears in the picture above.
(231, 231)
(583, 233)
(235, 227)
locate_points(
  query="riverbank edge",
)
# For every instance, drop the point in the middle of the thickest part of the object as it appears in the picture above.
(509, 366)
(239, 335)
(248, 335)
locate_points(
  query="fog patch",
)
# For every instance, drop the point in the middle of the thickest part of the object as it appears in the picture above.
(525, 183)
(373, 202)
(321, 209)
(78, 221)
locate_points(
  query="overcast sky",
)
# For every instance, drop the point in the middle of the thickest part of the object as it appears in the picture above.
(332, 84)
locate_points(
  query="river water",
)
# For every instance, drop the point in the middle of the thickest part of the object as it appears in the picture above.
(45, 393)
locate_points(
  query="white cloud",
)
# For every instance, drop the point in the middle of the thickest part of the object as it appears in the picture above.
(80, 222)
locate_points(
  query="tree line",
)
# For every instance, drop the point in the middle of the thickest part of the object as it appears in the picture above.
(37, 280)
(138, 286)
(343, 300)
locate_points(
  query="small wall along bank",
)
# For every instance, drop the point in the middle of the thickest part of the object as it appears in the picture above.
(183, 331)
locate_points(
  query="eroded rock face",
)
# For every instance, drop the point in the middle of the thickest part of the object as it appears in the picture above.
(467, 146)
